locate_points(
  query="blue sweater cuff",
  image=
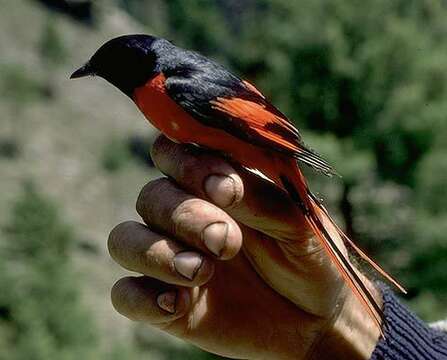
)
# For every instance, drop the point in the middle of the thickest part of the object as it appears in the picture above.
(406, 336)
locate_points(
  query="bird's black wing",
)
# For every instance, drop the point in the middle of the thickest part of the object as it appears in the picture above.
(216, 98)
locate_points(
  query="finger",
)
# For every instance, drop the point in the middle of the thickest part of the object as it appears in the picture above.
(146, 299)
(196, 222)
(136, 248)
(247, 197)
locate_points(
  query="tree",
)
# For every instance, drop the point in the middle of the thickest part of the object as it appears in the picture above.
(41, 313)
(52, 52)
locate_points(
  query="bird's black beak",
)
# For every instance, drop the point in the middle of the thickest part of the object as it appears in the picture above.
(85, 70)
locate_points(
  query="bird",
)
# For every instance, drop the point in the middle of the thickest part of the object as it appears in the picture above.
(192, 99)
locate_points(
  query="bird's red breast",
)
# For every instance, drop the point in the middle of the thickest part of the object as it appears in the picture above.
(174, 122)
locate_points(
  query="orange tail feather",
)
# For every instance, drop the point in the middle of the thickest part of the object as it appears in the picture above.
(316, 216)
(344, 266)
(358, 250)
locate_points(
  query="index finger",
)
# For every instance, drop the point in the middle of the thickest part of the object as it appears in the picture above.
(247, 197)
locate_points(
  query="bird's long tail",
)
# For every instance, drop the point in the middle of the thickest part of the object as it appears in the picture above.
(324, 227)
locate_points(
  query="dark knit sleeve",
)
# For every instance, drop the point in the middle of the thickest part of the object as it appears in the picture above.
(406, 336)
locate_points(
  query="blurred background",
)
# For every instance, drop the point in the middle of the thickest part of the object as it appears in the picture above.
(365, 81)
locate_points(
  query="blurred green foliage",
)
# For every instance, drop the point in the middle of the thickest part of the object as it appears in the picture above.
(9, 149)
(118, 153)
(115, 155)
(18, 85)
(41, 312)
(51, 46)
(42, 315)
(53, 54)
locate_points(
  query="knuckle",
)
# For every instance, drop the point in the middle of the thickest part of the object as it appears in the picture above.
(190, 210)
(187, 167)
(183, 214)
(158, 254)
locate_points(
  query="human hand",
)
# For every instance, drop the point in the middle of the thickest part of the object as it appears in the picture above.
(274, 295)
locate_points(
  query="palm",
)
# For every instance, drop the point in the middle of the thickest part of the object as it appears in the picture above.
(243, 297)
(237, 307)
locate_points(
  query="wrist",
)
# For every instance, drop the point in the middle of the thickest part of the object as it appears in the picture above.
(353, 334)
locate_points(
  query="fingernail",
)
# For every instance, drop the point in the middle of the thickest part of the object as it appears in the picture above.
(166, 301)
(220, 189)
(187, 264)
(214, 236)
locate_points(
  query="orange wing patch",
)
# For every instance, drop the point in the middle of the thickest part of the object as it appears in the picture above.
(259, 119)
(270, 128)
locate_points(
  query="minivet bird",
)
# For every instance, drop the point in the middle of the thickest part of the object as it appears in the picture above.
(194, 100)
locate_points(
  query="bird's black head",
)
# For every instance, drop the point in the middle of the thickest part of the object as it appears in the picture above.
(127, 62)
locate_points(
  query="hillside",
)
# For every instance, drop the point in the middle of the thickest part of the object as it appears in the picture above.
(62, 140)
